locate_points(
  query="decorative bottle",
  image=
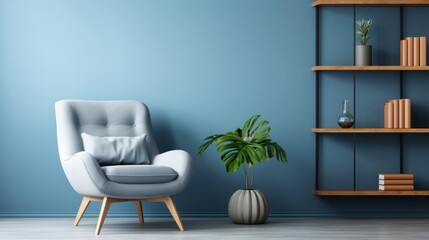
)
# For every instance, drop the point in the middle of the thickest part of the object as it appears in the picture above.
(345, 120)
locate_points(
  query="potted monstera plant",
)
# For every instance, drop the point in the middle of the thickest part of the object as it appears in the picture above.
(243, 148)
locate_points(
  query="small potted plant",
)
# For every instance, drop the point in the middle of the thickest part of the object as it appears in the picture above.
(244, 147)
(363, 56)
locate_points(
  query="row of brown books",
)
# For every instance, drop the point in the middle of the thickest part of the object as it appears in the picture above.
(413, 51)
(396, 182)
(397, 113)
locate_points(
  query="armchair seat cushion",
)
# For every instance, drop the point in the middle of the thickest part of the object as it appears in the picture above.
(139, 174)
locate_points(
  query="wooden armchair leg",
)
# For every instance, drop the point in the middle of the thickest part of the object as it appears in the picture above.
(103, 212)
(83, 206)
(139, 210)
(107, 201)
(173, 210)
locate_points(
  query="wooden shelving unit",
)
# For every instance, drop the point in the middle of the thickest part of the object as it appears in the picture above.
(370, 68)
(319, 3)
(318, 68)
(369, 193)
(370, 130)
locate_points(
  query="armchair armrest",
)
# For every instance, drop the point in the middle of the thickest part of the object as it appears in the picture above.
(178, 160)
(84, 174)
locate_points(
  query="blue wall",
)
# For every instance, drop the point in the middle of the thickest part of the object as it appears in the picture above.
(202, 67)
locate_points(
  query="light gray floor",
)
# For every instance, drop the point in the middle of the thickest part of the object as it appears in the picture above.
(215, 228)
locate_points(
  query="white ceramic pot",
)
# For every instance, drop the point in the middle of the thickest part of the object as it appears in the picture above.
(248, 206)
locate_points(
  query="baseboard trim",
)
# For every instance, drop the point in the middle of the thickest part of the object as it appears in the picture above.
(225, 215)
(72, 215)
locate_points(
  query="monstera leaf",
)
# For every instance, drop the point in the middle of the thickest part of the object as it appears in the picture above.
(248, 145)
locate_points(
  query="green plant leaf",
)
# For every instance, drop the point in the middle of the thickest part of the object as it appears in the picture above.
(247, 157)
(270, 150)
(262, 134)
(280, 152)
(228, 137)
(248, 125)
(363, 27)
(260, 126)
(234, 163)
(206, 143)
(254, 156)
(248, 145)
(230, 145)
(226, 154)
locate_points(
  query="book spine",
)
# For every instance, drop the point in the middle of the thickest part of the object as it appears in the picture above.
(407, 108)
(396, 187)
(416, 51)
(395, 176)
(423, 51)
(396, 182)
(390, 114)
(395, 113)
(401, 113)
(404, 52)
(410, 43)
(386, 115)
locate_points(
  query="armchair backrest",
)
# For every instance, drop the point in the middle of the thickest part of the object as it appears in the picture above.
(100, 118)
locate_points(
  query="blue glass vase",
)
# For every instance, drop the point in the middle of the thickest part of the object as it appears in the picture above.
(345, 120)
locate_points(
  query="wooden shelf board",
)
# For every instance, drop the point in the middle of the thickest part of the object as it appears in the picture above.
(369, 2)
(370, 130)
(369, 193)
(370, 68)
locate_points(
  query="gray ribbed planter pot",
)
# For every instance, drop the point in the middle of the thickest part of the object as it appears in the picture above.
(248, 207)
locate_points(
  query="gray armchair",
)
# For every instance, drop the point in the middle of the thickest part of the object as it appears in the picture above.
(164, 175)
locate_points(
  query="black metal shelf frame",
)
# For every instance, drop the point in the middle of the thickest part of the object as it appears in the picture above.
(317, 94)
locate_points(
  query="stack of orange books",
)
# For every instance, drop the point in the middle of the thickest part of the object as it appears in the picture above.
(413, 51)
(397, 113)
(396, 182)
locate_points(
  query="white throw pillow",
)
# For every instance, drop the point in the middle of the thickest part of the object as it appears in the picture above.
(117, 150)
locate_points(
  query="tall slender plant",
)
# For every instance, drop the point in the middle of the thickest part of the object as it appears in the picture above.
(363, 28)
(245, 147)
